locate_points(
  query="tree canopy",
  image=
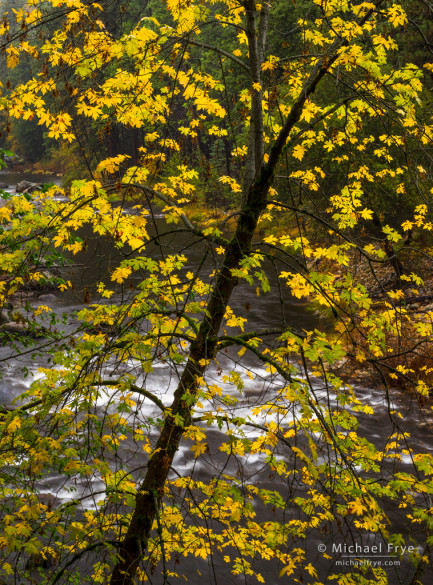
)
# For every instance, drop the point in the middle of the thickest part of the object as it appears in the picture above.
(288, 147)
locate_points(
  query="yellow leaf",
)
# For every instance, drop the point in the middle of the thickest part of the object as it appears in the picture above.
(198, 449)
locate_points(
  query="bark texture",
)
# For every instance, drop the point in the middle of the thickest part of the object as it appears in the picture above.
(256, 30)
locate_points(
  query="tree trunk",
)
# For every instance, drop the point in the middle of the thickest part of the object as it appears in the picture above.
(256, 45)
(134, 545)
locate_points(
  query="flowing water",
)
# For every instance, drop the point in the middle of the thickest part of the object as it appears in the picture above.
(266, 311)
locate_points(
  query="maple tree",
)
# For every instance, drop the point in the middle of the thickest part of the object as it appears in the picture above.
(337, 101)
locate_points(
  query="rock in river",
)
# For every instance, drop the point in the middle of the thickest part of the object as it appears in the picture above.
(47, 298)
(22, 329)
(26, 187)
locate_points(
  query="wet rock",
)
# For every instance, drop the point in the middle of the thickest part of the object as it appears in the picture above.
(48, 499)
(5, 316)
(27, 187)
(48, 298)
(14, 327)
(3, 186)
(18, 328)
(24, 186)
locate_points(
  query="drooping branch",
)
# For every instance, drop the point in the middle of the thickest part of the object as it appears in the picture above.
(141, 391)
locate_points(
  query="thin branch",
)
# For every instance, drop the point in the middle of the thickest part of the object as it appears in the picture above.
(220, 52)
(182, 216)
(136, 389)
(227, 341)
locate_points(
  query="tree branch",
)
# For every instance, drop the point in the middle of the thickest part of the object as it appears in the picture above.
(220, 52)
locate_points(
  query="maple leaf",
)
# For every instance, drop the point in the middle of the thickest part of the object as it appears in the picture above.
(199, 448)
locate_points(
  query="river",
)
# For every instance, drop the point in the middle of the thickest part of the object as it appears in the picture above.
(266, 311)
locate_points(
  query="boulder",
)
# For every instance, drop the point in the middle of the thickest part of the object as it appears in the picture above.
(5, 316)
(24, 186)
(22, 329)
(47, 298)
(14, 327)
(27, 187)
